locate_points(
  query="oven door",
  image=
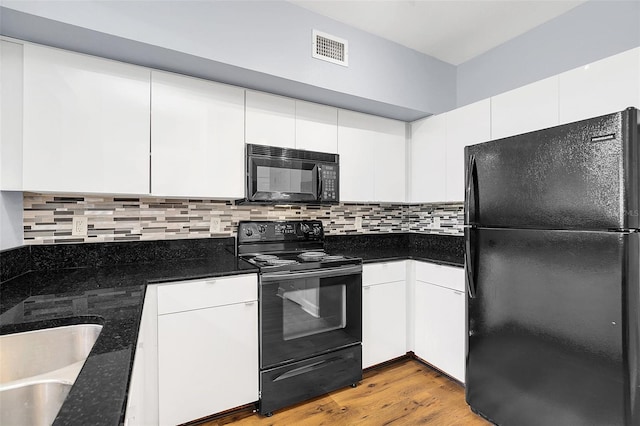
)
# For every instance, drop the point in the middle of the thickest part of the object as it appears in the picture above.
(272, 179)
(303, 314)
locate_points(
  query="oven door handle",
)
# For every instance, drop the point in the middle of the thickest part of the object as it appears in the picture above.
(322, 273)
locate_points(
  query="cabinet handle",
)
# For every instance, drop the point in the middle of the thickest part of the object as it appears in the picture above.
(212, 281)
(458, 293)
(366, 288)
(250, 303)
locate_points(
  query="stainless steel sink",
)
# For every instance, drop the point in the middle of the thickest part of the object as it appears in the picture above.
(33, 353)
(38, 369)
(35, 404)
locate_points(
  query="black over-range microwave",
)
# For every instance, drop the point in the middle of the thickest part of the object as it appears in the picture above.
(284, 175)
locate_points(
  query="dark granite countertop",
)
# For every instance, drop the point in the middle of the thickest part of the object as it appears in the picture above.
(105, 284)
(111, 295)
(441, 249)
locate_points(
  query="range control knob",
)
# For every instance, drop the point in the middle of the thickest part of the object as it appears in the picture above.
(304, 228)
(248, 232)
(316, 231)
(262, 229)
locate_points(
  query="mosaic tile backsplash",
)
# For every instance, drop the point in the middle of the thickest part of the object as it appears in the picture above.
(48, 218)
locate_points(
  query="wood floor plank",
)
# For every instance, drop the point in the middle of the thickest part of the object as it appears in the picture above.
(403, 393)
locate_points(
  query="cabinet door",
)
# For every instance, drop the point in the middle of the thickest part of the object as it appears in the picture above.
(86, 124)
(440, 328)
(468, 125)
(390, 159)
(384, 322)
(207, 361)
(528, 108)
(197, 138)
(357, 153)
(609, 85)
(428, 159)
(270, 120)
(316, 127)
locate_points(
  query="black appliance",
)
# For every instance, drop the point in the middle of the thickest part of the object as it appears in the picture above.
(552, 248)
(310, 310)
(283, 175)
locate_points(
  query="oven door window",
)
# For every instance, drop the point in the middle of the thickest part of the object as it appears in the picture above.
(292, 180)
(309, 309)
(302, 317)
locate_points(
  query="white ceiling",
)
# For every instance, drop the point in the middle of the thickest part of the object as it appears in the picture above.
(451, 30)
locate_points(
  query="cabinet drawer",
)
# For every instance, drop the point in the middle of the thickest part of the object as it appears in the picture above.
(378, 273)
(445, 276)
(198, 294)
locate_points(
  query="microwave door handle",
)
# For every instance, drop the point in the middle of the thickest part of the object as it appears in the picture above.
(320, 185)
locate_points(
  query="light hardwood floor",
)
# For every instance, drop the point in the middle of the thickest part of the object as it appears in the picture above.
(404, 393)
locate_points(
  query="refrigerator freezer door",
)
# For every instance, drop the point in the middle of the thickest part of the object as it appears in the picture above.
(577, 176)
(553, 328)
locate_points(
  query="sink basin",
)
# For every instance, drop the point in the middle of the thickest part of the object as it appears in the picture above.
(33, 353)
(33, 404)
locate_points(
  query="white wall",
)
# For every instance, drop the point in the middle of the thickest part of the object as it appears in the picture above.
(264, 45)
(587, 33)
(11, 231)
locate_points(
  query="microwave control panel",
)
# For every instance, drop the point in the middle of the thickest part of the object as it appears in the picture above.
(329, 181)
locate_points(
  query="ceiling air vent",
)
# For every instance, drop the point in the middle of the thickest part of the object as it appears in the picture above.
(330, 48)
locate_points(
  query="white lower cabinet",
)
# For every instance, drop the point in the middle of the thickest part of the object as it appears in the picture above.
(384, 312)
(197, 351)
(207, 361)
(440, 318)
(384, 322)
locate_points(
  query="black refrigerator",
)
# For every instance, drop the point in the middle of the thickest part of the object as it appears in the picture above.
(552, 254)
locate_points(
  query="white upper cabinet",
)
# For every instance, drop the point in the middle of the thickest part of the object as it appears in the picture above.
(428, 159)
(372, 158)
(528, 108)
(197, 137)
(288, 123)
(316, 127)
(270, 120)
(468, 125)
(86, 123)
(11, 70)
(608, 85)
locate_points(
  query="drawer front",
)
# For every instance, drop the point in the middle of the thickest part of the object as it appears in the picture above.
(207, 293)
(378, 273)
(444, 276)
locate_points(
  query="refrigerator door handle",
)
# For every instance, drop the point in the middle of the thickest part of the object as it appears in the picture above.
(469, 187)
(468, 265)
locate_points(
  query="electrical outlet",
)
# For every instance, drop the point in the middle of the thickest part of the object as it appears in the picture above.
(79, 226)
(214, 225)
(436, 222)
(358, 222)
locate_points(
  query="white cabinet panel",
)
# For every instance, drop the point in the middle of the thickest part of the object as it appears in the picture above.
(528, 108)
(372, 158)
(207, 361)
(270, 120)
(316, 127)
(377, 273)
(428, 159)
(609, 85)
(468, 125)
(357, 152)
(440, 328)
(384, 322)
(390, 160)
(442, 275)
(198, 294)
(86, 123)
(197, 138)
(11, 69)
